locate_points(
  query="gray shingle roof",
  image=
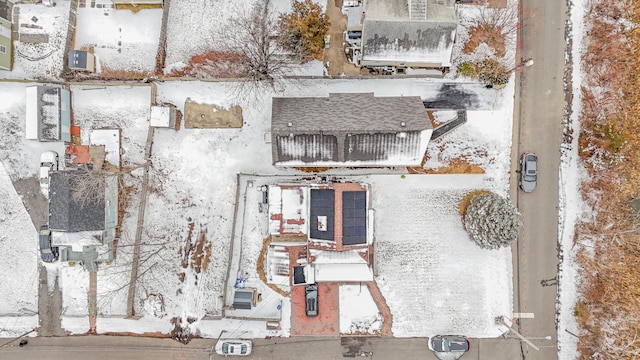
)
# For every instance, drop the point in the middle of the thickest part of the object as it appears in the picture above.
(66, 214)
(356, 112)
(349, 127)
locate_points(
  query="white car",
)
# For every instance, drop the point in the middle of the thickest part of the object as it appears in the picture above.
(48, 163)
(234, 347)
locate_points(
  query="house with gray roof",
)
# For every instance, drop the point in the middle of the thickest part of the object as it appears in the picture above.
(349, 129)
(405, 34)
(83, 215)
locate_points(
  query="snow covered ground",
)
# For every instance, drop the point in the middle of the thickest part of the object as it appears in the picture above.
(434, 279)
(193, 182)
(198, 14)
(572, 208)
(358, 311)
(42, 60)
(193, 189)
(122, 40)
(19, 248)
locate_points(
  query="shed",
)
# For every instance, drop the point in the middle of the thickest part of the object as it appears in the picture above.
(244, 299)
(48, 113)
(81, 60)
(163, 117)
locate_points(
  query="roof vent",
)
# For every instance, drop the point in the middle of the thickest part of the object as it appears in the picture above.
(290, 124)
(290, 135)
(402, 123)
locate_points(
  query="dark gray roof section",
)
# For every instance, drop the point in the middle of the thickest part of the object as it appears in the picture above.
(381, 37)
(298, 275)
(322, 204)
(67, 214)
(242, 299)
(354, 217)
(355, 112)
(346, 127)
(77, 59)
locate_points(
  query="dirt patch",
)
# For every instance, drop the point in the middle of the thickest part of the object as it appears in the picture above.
(196, 252)
(312, 169)
(497, 3)
(139, 7)
(456, 166)
(466, 200)
(489, 34)
(219, 64)
(335, 59)
(211, 116)
(111, 74)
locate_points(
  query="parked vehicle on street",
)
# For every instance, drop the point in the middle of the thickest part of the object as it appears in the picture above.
(528, 171)
(449, 343)
(311, 300)
(233, 347)
(48, 163)
(47, 252)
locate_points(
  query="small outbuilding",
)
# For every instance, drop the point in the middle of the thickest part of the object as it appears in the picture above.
(163, 117)
(81, 60)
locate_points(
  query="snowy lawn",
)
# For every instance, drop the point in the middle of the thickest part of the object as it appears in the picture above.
(358, 311)
(433, 277)
(211, 18)
(20, 257)
(122, 40)
(45, 60)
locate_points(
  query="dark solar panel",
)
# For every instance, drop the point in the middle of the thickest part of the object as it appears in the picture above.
(322, 214)
(354, 217)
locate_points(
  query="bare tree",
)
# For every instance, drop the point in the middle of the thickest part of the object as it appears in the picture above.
(87, 186)
(250, 49)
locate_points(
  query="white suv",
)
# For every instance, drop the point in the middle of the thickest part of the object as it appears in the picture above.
(48, 163)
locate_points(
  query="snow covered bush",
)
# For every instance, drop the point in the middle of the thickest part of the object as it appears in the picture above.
(491, 221)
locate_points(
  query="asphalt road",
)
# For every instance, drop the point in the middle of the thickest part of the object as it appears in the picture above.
(539, 113)
(295, 348)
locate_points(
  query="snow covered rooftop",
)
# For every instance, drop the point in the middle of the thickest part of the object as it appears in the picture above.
(110, 139)
(415, 43)
(288, 210)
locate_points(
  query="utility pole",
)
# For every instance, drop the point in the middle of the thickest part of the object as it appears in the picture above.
(500, 320)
